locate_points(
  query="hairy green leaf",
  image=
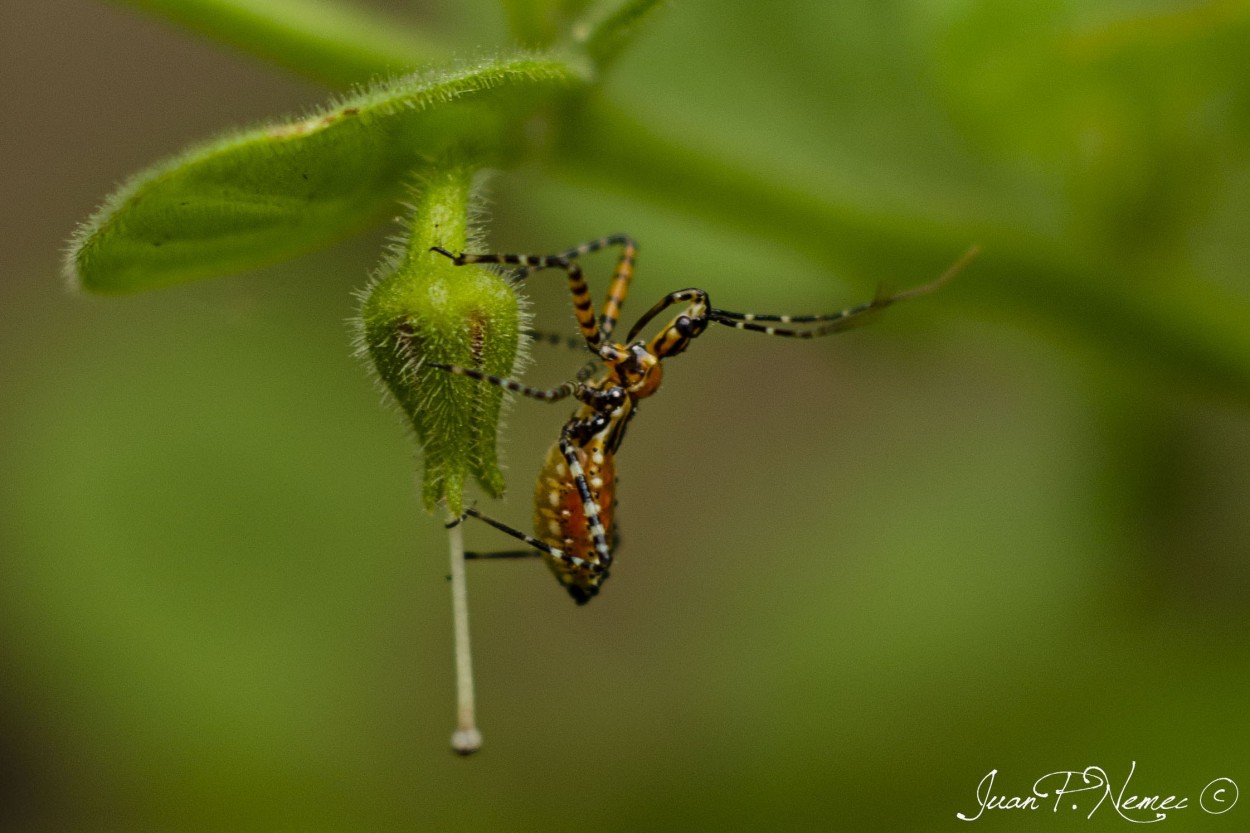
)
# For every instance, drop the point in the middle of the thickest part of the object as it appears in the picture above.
(262, 195)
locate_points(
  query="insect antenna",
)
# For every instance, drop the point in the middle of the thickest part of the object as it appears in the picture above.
(837, 321)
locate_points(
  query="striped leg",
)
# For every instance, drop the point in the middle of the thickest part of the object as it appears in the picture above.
(587, 370)
(546, 395)
(829, 324)
(838, 321)
(538, 546)
(555, 339)
(589, 507)
(483, 556)
(583, 306)
(617, 289)
(601, 243)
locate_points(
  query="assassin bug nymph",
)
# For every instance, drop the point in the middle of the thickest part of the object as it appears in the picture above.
(574, 500)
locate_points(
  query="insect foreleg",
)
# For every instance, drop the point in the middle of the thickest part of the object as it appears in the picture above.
(583, 306)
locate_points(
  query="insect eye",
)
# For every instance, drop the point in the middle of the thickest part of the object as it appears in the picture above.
(690, 327)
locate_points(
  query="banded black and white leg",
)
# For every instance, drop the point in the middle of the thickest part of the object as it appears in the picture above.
(828, 324)
(594, 330)
(837, 321)
(538, 547)
(555, 394)
(700, 313)
(590, 507)
(555, 339)
(618, 289)
(602, 399)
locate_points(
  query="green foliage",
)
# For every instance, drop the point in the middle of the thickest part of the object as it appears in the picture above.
(1106, 101)
(1012, 537)
(266, 194)
(1049, 132)
(259, 196)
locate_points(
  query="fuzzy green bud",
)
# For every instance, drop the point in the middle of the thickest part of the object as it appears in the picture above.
(422, 308)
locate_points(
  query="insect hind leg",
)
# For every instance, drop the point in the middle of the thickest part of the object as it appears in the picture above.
(513, 554)
(538, 547)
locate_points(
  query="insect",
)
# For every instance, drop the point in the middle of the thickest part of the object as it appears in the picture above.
(575, 497)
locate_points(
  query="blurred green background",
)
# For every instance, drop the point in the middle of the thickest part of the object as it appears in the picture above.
(857, 573)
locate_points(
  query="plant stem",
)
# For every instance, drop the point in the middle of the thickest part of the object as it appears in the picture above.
(329, 42)
(609, 26)
(533, 23)
(466, 739)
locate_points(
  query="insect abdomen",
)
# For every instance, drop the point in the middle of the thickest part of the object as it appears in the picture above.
(560, 519)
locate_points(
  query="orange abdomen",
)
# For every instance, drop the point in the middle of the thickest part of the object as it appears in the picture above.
(559, 517)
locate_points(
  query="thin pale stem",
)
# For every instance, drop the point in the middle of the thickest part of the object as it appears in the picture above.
(466, 739)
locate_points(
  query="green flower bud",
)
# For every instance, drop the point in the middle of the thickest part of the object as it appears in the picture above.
(422, 308)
